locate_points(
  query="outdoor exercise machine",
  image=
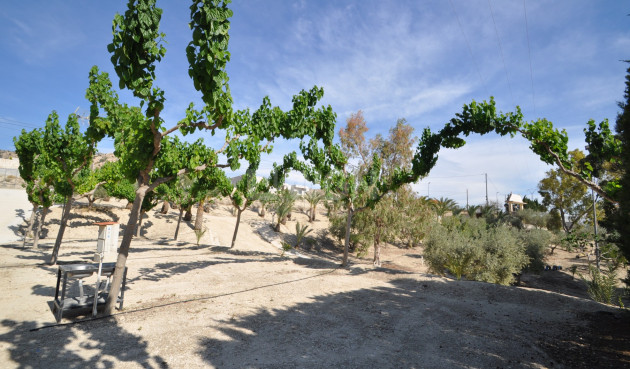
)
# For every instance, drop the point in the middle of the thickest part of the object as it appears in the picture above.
(65, 301)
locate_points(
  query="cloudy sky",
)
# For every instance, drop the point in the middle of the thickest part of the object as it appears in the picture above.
(419, 60)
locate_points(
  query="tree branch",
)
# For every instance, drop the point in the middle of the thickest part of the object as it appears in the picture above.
(90, 193)
(196, 124)
(597, 188)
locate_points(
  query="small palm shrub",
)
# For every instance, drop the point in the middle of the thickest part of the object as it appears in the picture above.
(284, 202)
(300, 233)
(199, 233)
(602, 285)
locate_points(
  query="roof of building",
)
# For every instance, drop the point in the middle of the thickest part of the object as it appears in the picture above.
(514, 198)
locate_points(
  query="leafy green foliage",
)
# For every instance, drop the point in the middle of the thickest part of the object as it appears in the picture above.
(602, 286)
(116, 184)
(136, 47)
(199, 233)
(313, 198)
(66, 153)
(72, 151)
(565, 193)
(265, 199)
(619, 217)
(34, 167)
(443, 205)
(537, 242)
(301, 231)
(534, 204)
(468, 247)
(414, 217)
(530, 217)
(284, 202)
(208, 56)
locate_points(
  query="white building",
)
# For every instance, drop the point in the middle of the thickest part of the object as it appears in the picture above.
(514, 203)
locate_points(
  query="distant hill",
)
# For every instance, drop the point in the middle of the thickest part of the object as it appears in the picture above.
(6, 154)
(10, 176)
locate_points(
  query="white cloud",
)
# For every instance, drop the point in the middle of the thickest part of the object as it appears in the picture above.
(509, 163)
(40, 38)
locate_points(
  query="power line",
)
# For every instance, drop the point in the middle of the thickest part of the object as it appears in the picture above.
(460, 176)
(17, 123)
(483, 82)
(496, 31)
(529, 53)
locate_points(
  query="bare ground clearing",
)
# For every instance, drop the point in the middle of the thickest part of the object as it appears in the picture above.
(190, 306)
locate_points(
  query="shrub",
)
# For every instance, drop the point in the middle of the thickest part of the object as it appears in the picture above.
(468, 247)
(536, 242)
(300, 232)
(602, 285)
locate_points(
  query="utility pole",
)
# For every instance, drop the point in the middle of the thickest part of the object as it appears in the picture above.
(466, 198)
(486, 189)
(595, 226)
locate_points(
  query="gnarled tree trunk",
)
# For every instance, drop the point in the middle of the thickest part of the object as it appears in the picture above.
(239, 211)
(179, 220)
(62, 228)
(377, 254)
(139, 227)
(29, 230)
(199, 217)
(90, 200)
(346, 245)
(39, 227)
(166, 206)
(123, 251)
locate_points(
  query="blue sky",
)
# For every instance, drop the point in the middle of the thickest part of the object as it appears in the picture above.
(421, 60)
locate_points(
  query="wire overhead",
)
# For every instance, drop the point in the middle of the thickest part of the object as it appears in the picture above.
(483, 82)
(529, 53)
(496, 31)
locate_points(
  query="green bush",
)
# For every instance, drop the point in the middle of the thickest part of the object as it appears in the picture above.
(468, 247)
(337, 228)
(536, 242)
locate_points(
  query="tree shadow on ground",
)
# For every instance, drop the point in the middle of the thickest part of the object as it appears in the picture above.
(555, 281)
(385, 268)
(317, 263)
(74, 257)
(84, 218)
(167, 270)
(41, 290)
(53, 347)
(146, 225)
(82, 209)
(410, 324)
(19, 229)
(235, 251)
(605, 343)
(168, 217)
(21, 213)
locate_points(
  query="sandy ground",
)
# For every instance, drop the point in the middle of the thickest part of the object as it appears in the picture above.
(15, 210)
(208, 306)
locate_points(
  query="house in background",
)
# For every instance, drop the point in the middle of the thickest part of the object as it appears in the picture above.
(235, 180)
(300, 190)
(514, 203)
